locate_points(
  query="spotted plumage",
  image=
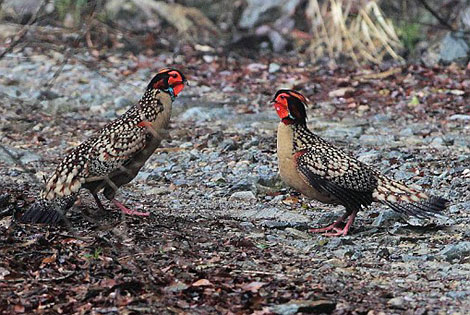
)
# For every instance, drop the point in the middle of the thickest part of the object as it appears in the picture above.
(113, 155)
(324, 172)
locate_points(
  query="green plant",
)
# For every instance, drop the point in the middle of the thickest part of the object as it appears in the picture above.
(96, 254)
(410, 34)
(73, 7)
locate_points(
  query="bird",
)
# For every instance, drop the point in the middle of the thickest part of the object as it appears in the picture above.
(321, 171)
(113, 155)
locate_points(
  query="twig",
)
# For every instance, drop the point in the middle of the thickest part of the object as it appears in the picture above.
(436, 15)
(40, 280)
(58, 278)
(24, 30)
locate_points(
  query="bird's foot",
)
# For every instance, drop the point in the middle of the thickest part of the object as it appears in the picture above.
(129, 211)
(333, 227)
(338, 231)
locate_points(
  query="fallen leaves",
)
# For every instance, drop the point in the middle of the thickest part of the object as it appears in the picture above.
(253, 286)
(202, 283)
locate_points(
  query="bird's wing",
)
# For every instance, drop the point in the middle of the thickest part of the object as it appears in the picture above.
(329, 169)
(95, 159)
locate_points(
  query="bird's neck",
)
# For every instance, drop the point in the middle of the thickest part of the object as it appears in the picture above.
(153, 103)
(302, 137)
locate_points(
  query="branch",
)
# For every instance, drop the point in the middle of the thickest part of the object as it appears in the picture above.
(24, 30)
(437, 16)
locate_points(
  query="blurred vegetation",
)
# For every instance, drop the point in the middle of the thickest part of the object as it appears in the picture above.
(364, 31)
(410, 34)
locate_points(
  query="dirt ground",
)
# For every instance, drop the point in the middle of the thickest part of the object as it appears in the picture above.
(224, 235)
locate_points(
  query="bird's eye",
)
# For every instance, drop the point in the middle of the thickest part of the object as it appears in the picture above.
(173, 75)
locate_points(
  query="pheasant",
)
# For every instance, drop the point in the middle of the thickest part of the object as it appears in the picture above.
(113, 156)
(320, 171)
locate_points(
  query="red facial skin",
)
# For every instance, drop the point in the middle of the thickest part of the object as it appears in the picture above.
(280, 104)
(176, 81)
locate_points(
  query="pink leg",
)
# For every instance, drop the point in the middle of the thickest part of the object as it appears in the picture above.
(345, 230)
(330, 227)
(128, 211)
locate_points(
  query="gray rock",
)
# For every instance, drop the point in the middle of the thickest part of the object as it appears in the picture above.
(459, 117)
(203, 114)
(369, 157)
(455, 251)
(454, 48)
(20, 10)
(122, 102)
(297, 234)
(397, 302)
(227, 145)
(343, 132)
(14, 155)
(386, 217)
(464, 206)
(274, 67)
(458, 294)
(376, 139)
(243, 195)
(273, 213)
(304, 307)
(261, 11)
(247, 226)
(403, 175)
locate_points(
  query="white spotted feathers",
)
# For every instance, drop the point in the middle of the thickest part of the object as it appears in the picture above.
(109, 149)
(353, 183)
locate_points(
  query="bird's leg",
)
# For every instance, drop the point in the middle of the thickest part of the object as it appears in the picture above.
(98, 202)
(333, 226)
(345, 230)
(129, 211)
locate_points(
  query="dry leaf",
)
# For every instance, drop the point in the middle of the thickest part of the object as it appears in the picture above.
(253, 286)
(49, 259)
(341, 92)
(202, 283)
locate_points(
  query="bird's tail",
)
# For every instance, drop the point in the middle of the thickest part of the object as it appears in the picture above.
(48, 211)
(407, 200)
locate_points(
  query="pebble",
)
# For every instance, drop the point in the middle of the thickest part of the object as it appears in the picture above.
(243, 195)
(459, 117)
(397, 302)
(455, 251)
(121, 102)
(342, 132)
(463, 206)
(273, 67)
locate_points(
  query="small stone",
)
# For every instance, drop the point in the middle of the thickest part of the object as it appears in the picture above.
(386, 217)
(464, 206)
(243, 195)
(456, 251)
(459, 117)
(157, 191)
(396, 302)
(47, 95)
(247, 226)
(121, 102)
(208, 58)
(297, 234)
(228, 145)
(340, 92)
(403, 176)
(273, 67)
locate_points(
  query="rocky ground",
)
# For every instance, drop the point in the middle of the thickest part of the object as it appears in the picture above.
(224, 234)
